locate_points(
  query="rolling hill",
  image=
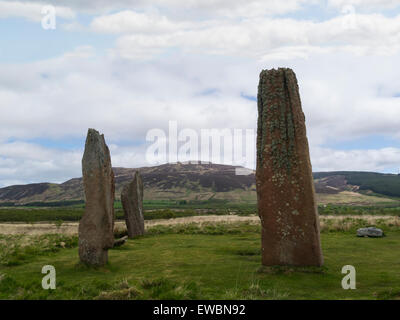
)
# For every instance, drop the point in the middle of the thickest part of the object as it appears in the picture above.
(192, 181)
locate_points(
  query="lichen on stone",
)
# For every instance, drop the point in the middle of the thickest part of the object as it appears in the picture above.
(275, 124)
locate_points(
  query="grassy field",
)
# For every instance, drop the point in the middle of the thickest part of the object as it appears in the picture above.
(353, 198)
(175, 209)
(211, 261)
(59, 215)
(155, 209)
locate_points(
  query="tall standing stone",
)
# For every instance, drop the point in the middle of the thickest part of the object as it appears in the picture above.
(132, 203)
(96, 226)
(285, 188)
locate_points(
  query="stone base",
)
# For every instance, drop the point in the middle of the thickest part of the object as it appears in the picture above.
(299, 253)
(93, 256)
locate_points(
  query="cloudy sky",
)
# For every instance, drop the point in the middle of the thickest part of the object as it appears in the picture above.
(125, 67)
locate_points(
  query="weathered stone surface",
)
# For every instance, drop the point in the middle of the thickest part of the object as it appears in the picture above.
(132, 203)
(96, 226)
(370, 232)
(285, 188)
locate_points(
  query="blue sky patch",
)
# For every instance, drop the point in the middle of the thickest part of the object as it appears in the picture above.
(365, 143)
(248, 97)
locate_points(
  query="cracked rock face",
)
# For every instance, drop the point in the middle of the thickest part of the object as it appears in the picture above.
(97, 224)
(132, 203)
(285, 188)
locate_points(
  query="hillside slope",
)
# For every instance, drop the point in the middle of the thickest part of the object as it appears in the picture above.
(386, 184)
(191, 181)
(168, 181)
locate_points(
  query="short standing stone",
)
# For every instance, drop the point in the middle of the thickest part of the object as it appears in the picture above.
(285, 188)
(132, 203)
(370, 232)
(96, 226)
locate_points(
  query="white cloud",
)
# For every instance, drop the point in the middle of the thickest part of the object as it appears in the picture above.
(22, 162)
(130, 21)
(189, 8)
(31, 10)
(376, 160)
(365, 4)
(63, 97)
(262, 38)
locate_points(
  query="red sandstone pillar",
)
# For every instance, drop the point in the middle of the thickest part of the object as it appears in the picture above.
(285, 187)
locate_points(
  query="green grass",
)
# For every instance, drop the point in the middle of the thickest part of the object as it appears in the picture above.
(35, 214)
(75, 214)
(201, 262)
(392, 210)
(40, 214)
